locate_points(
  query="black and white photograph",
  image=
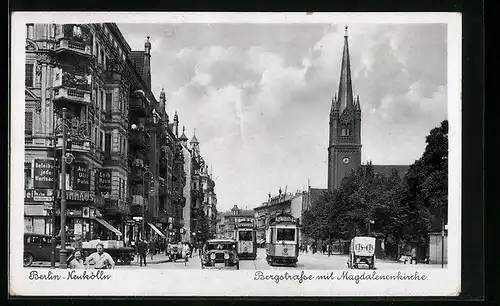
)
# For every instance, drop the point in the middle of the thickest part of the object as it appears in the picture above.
(265, 154)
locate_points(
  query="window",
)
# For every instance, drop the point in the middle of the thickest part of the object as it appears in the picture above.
(28, 178)
(96, 137)
(28, 123)
(245, 236)
(28, 78)
(109, 100)
(119, 188)
(285, 234)
(101, 141)
(30, 30)
(98, 53)
(107, 143)
(101, 93)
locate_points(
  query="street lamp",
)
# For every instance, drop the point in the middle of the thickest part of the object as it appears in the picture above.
(66, 158)
(146, 173)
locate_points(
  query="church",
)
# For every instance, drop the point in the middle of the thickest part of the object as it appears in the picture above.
(344, 149)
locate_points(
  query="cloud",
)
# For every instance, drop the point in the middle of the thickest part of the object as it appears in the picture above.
(259, 95)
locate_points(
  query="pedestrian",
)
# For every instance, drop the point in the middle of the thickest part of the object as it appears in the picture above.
(191, 249)
(152, 248)
(414, 255)
(101, 259)
(142, 248)
(77, 262)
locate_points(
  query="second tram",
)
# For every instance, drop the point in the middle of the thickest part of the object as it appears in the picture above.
(246, 239)
(282, 240)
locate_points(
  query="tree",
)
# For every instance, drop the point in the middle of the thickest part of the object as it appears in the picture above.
(202, 228)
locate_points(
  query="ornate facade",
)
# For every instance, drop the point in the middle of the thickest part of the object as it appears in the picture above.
(127, 158)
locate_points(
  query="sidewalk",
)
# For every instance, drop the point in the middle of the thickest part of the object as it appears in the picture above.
(157, 259)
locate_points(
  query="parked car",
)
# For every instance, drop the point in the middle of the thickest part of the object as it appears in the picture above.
(38, 247)
(220, 254)
(406, 259)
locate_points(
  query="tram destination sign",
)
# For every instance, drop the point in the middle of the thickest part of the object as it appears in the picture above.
(284, 219)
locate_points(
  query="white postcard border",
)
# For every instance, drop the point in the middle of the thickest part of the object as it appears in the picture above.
(241, 283)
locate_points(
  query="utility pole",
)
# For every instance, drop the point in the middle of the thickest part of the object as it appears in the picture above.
(54, 198)
(63, 251)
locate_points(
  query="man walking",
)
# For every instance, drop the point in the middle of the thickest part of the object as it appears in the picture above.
(142, 248)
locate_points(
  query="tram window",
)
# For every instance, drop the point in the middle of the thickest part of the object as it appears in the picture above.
(285, 234)
(245, 236)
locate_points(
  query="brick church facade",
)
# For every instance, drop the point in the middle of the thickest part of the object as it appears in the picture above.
(344, 149)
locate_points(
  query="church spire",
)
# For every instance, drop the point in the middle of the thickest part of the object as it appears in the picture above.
(345, 98)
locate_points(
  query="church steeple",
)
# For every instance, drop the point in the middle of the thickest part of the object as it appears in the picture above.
(345, 97)
(344, 150)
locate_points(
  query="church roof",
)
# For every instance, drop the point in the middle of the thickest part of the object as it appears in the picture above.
(138, 60)
(387, 169)
(345, 97)
(194, 139)
(183, 136)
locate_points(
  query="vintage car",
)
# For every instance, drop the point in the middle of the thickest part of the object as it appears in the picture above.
(38, 247)
(362, 252)
(174, 251)
(220, 254)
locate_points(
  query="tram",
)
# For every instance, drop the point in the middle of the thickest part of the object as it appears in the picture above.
(246, 239)
(282, 240)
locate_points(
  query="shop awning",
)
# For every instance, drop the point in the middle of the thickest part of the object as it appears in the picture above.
(109, 226)
(261, 241)
(157, 230)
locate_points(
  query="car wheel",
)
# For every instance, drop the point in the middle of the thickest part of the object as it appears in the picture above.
(127, 261)
(27, 259)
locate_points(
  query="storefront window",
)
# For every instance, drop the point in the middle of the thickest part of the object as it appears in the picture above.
(28, 177)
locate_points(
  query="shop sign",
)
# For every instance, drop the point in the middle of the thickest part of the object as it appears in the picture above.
(81, 176)
(71, 212)
(78, 196)
(99, 201)
(43, 174)
(34, 210)
(104, 182)
(38, 195)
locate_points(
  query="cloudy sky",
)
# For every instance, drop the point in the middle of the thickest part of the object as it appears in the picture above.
(259, 95)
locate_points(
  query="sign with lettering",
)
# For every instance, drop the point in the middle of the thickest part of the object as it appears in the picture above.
(367, 247)
(81, 176)
(71, 212)
(78, 196)
(245, 225)
(43, 174)
(104, 182)
(284, 219)
(38, 195)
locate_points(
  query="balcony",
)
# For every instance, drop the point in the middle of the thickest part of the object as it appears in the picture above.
(138, 200)
(138, 139)
(196, 193)
(178, 223)
(117, 207)
(75, 39)
(138, 106)
(81, 145)
(75, 47)
(72, 87)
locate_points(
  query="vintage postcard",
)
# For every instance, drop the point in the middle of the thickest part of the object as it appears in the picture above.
(235, 154)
